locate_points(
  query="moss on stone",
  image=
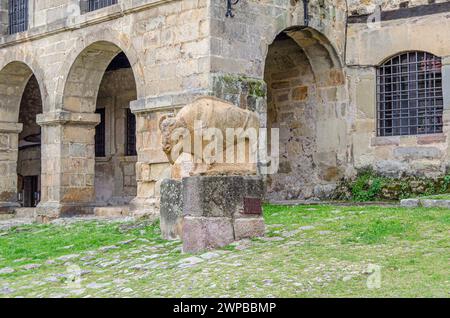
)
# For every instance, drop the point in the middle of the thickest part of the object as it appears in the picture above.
(256, 87)
(372, 186)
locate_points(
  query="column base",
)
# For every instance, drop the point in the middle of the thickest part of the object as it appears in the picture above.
(144, 208)
(8, 209)
(48, 211)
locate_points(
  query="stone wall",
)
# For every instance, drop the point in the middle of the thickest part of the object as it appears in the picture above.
(368, 47)
(368, 6)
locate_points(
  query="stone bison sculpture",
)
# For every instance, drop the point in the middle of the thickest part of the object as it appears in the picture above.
(202, 115)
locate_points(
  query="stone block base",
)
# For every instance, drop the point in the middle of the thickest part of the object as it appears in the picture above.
(248, 228)
(203, 233)
(112, 211)
(48, 211)
(28, 213)
(218, 210)
(144, 208)
(171, 209)
(7, 208)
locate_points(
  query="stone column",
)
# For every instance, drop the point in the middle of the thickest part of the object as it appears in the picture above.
(68, 164)
(9, 139)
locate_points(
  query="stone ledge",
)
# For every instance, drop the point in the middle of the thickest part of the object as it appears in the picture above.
(417, 153)
(431, 139)
(166, 102)
(6, 127)
(66, 117)
(385, 141)
(426, 203)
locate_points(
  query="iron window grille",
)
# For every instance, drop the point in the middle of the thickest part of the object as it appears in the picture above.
(98, 4)
(409, 95)
(18, 16)
(100, 134)
(131, 134)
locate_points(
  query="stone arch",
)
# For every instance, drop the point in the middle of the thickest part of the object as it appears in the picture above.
(84, 68)
(324, 59)
(20, 88)
(14, 77)
(26, 61)
(307, 101)
(327, 20)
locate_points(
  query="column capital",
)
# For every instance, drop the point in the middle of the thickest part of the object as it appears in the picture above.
(63, 117)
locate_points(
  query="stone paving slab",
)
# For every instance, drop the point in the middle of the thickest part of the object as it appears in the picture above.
(426, 203)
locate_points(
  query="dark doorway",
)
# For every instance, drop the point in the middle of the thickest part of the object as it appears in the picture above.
(30, 191)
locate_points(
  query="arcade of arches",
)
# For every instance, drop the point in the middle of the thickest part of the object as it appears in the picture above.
(82, 93)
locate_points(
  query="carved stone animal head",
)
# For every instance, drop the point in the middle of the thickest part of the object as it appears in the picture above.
(167, 125)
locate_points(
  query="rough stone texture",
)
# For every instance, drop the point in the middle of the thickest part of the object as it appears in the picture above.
(248, 228)
(200, 233)
(219, 196)
(171, 209)
(212, 204)
(116, 211)
(308, 157)
(357, 7)
(410, 203)
(428, 203)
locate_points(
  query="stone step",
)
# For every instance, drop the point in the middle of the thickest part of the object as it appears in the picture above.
(112, 211)
(25, 213)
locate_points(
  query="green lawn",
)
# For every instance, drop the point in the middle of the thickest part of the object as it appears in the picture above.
(309, 251)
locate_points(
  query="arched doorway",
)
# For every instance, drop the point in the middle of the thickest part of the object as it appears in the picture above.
(115, 139)
(20, 137)
(29, 157)
(101, 81)
(306, 102)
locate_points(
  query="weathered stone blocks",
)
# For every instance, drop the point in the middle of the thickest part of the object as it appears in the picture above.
(210, 212)
(248, 228)
(171, 209)
(204, 233)
(217, 211)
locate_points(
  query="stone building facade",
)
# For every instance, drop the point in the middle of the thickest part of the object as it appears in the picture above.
(84, 82)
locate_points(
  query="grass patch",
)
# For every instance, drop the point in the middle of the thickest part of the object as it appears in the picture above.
(378, 231)
(37, 243)
(312, 251)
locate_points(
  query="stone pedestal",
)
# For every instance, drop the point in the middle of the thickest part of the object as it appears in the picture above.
(219, 210)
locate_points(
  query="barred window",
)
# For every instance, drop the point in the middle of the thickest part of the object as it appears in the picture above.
(98, 4)
(18, 16)
(131, 134)
(100, 134)
(409, 95)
